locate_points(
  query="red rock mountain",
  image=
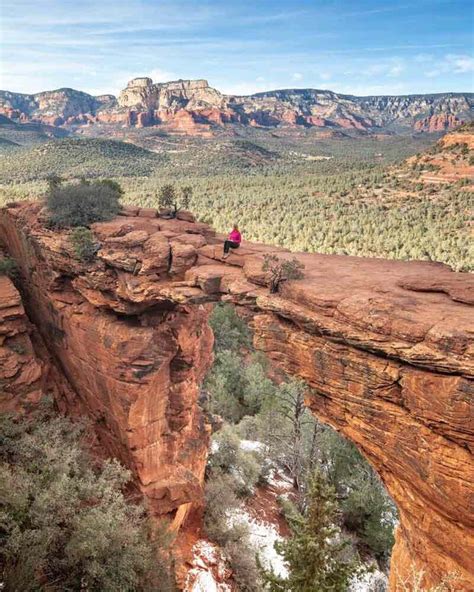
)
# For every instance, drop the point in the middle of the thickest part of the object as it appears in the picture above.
(387, 347)
(192, 106)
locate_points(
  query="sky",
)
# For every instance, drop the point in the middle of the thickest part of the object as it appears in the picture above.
(357, 47)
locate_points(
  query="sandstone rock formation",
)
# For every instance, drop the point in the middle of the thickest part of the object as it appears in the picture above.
(191, 106)
(22, 374)
(450, 160)
(438, 123)
(387, 347)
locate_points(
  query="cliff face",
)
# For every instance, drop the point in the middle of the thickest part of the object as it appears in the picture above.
(385, 345)
(136, 377)
(22, 374)
(144, 103)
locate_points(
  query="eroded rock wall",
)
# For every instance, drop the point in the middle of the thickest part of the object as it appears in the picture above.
(22, 373)
(413, 426)
(135, 377)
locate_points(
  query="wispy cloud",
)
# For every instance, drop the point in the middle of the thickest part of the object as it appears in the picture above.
(453, 64)
(240, 47)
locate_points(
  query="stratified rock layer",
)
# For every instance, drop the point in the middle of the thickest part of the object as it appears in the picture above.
(193, 107)
(387, 347)
(22, 374)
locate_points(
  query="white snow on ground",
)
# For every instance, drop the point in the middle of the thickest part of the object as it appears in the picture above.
(209, 572)
(375, 581)
(252, 446)
(262, 536)
(279, 480)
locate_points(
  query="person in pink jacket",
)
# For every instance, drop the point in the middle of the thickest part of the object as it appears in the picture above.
(233, 242)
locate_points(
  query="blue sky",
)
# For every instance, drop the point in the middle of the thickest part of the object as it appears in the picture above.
(353, 46)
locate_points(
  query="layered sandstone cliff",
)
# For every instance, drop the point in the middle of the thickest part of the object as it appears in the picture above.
(387, 347)
(145, 103)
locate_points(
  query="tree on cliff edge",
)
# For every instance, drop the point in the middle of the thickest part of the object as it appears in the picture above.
(314, 554)
(171, 199)
(281, 270)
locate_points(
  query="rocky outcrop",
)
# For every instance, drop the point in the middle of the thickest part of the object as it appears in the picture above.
(193, 107)
(22, 373)
(438, 123)
(387, 347)
(134, 370)
(65, 106)
(450, 160)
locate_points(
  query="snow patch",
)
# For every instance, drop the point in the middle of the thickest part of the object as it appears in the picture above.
(252, 446)
(209, 570)
(279, 480)
(262, 537)
(374, 581)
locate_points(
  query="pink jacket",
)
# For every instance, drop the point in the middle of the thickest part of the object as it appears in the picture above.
(235, 237)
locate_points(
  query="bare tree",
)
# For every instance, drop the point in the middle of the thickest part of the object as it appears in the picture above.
(281, 270)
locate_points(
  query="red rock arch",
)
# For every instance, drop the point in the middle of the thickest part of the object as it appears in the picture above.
(386, 346)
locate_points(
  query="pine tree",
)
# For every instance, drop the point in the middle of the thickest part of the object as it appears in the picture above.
(314, 553)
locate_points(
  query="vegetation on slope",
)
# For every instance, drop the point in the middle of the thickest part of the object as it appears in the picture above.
(256, 408)
(347, 203)
(27, 134)
(64, 522)
(75, 158)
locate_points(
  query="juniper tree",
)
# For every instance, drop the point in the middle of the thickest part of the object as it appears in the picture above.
(314, 554)
(186, 195)
(167, 196)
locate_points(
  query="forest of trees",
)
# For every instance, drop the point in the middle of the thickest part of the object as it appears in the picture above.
(343, 205)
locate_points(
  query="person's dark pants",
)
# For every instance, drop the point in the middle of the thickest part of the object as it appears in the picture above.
(230, 245)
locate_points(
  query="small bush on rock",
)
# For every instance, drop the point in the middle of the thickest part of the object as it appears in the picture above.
(84, 203)
(83, 243)
(8, 267)
(280, 270)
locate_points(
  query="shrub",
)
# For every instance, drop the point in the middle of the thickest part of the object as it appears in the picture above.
(84, 203)
(8, 267)
(221, 502)
(65, 525)
(186, 195)
(83, 243)
(281, 270)
(244, 566)
(227, 457)
(53, 181)
(225, 449)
